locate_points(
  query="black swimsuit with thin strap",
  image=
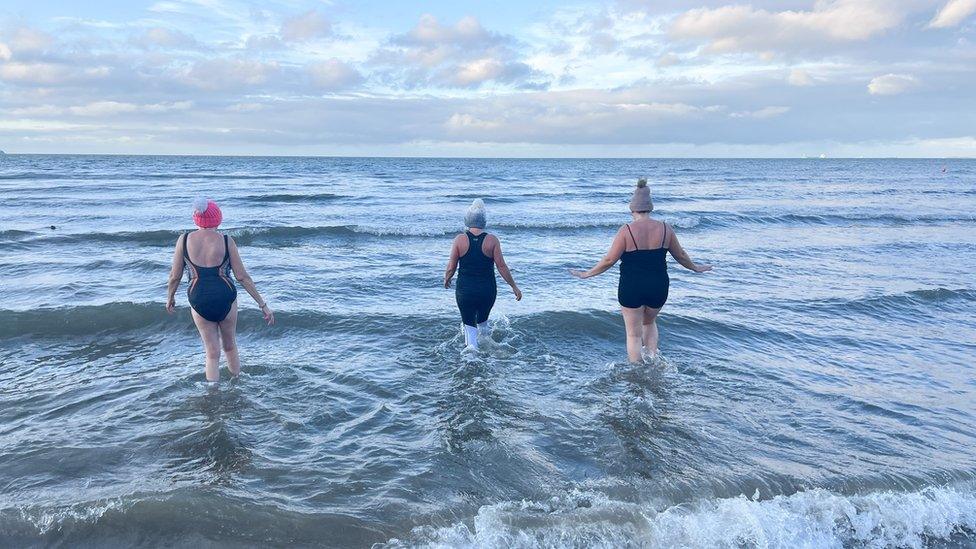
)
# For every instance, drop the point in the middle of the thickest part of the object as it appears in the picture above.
(211, 292)
(644, 278)
(476, 287)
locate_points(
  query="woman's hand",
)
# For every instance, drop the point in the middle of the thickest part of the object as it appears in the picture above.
(171, 305)
(447, 283)
(268, 314)
(578, 273)
(518, 293)
(702, 268)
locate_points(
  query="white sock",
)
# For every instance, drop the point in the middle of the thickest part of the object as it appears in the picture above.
(471, 336)
(483, 328)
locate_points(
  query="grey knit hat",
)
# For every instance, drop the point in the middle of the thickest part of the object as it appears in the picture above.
(641, 201)
(475, 216)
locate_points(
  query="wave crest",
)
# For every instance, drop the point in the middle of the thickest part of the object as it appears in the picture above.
(814, 518)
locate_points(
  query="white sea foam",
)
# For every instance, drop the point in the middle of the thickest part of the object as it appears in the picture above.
(815, 518)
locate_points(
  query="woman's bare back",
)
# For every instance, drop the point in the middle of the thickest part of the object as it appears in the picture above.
(205, 248)
(648, 233)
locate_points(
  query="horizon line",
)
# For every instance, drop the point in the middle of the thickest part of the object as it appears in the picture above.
(434, 157)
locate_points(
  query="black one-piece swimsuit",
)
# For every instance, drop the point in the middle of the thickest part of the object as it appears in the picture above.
(476, 287)
(644, 278)
(211, 292)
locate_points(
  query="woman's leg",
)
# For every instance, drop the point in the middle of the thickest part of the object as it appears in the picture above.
(228, 339)
(650, 335)
(484, 309)
(210, 335)
(632, 321)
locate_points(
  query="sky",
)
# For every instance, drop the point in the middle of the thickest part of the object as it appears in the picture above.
(613, 78)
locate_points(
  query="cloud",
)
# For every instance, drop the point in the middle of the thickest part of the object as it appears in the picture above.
(333, 74)
(110, 108)
(34, 73)
(463, 55)
(953, 13)
(579, 116)
(892, 84)
(27, 40)
(159, 37)
(264, 42)
(304, 27)
(229, 73)
(668, 60)
(765, 112)
(5, 53)
(742, 28)
(799, 77)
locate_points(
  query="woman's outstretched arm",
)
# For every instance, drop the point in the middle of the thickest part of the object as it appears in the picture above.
(503, 268)
(240, 273)
(617, 248)
(682, 257)
(175, 275)
(452, 263)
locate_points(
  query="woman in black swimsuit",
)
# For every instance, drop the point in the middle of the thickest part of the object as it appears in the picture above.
(642, 247)
(208, 258)
(478, 253)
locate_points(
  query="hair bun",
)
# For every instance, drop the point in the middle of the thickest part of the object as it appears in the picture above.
(200, 205)
(641, 183)
(478, 204)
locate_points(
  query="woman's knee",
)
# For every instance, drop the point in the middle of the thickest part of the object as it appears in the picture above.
(212, 348)
(229, 344)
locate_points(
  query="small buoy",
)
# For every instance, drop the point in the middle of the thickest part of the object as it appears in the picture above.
(53, 227)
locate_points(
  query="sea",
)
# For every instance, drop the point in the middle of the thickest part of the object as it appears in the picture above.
(817, 389)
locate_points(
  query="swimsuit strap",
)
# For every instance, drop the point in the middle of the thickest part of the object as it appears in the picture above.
(226, 251)
(186, 250)
(665, 237)
(632, 236)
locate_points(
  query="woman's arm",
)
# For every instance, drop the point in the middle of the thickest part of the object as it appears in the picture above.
(452, 263)
(617, 248)
(240, 273)
(503, 267)
(682, 257)
(175, 275)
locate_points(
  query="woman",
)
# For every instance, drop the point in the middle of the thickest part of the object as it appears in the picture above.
(642, 247)
(212, 295)
(478, 253)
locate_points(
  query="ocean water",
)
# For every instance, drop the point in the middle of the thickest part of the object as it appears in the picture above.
(818, 389)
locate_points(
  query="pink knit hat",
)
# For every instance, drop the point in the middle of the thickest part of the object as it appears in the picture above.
(206, 213)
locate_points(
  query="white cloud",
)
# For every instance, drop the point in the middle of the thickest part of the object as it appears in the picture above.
(159, 37)
(26, 39)
(953, 13)
(264, 42)
(668, 60)
(459, 121)
(462, 55)
(765, 112)
(742, 28)
(891, 84)
(5, 53)
(799, 77)
(333, 74)
(109, 108)
(34, 73)
(307, 26)
(233, 73)
(37, 110)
